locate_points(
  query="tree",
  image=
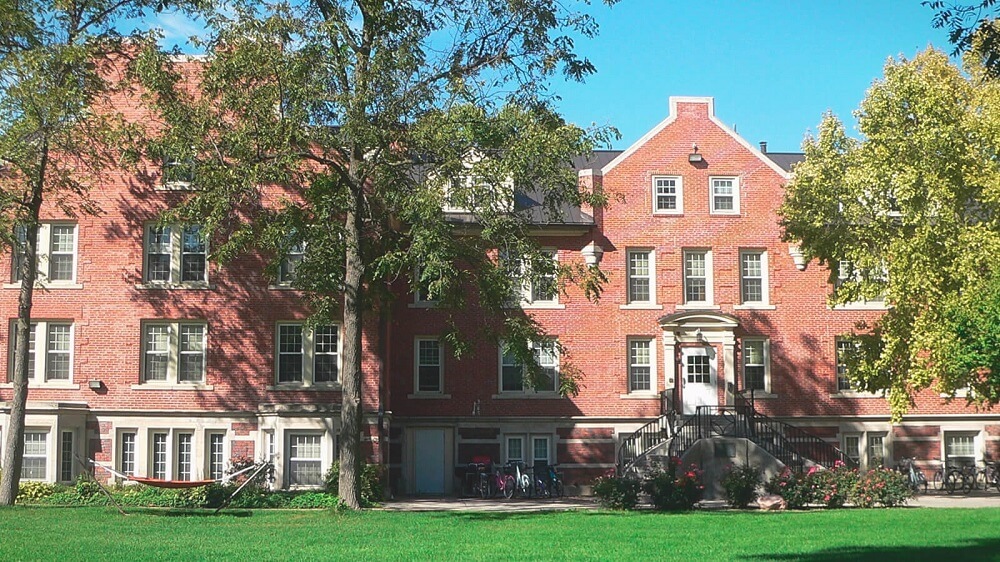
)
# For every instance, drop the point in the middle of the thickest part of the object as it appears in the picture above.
(54, 61)
(910, 213)
(972, 28)
(370, 117)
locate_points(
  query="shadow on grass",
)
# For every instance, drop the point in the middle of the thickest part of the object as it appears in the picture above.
(977, 549)
(186, 512)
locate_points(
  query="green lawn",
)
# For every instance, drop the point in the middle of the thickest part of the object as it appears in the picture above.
(70, 534)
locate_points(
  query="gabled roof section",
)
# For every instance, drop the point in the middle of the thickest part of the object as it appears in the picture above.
(710, 102)
(787, 160)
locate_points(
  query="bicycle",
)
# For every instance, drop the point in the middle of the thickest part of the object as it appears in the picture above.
(522, 483)
(959, 479)
(915, 477)
(556, 484)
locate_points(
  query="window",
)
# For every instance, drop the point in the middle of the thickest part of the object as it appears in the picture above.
(216, 455)
(699, 369)
(185, 456)
(308, 356)
(541, 287)
(56, 253)
(35, 460)
(698, 277)
(876, 451)
(291, 261)
(126, 452)
(305, 459)
(512, 371)
(429, 366)
(50, 351)
(755, 364)
(178, 172)
(960, 449)
(845, 347)
(421, 287)
(725, 193)
(668, 195)
(753, 277)
(641, 374)
(641, 276)
(515, 449)
(175, 254)
(852, 448)
(159, 456)
(539, 451)
(66, 457)
(174, 352)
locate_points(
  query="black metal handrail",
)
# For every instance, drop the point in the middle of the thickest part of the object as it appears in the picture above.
(640, 442)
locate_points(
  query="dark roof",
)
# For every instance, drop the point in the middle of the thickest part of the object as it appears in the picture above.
(786, 160)
(596, 160)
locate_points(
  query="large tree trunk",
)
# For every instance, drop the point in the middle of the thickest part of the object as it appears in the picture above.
(351, 410)
(13, 452)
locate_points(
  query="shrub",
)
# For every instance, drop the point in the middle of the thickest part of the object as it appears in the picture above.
(884, 487)
(740, 485)
(310, 500)
(617, 492)
(673, 489)
(371, 483)
(30, 491)
(796, 488)
(833, 488)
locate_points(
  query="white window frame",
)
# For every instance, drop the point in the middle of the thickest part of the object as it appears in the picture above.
(210, 460)
(735, 195)
(630, 359)
(949, 449)
(179, 185)
(184, 458)
(678, 194)
(66, 456)
(308, 354)
(173, 352)
(871, 438)
(846, 271)
(528, 299)
(290, 436)
(765, 293)
(44, 253)
(708, 276)
(840, 366)
(650, 276)
(125, 455)
(289, 263)
(766, 357)
(848, 448)
(39, 353)
(176, 251)
(418, 364)
(536, 348)
(45, 433)
(420, 296)
(527, 440)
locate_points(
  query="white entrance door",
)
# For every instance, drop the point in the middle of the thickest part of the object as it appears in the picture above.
(699, 378)
(428, 445)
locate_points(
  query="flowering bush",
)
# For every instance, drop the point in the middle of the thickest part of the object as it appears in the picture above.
(796, 488)
(740, 484)
(832, 488)
(883, 487)
(671, 488)
(617, 492)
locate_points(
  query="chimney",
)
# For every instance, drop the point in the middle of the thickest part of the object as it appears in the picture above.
(763, 146)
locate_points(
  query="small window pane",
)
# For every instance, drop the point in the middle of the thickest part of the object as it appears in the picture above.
(428, 366)
(57, 363)
(192, 353)
(157, 351)
(640, 366)
(305, 460)
(512, 376)
(325, 342)
(290, 353)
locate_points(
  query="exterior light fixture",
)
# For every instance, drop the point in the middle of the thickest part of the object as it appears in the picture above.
(694, 156)
(592, 254)
(95, 385)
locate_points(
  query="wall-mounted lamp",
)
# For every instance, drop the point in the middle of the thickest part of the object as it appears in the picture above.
(592, 254)
(694, 156)
(95, 385)
(797, 257)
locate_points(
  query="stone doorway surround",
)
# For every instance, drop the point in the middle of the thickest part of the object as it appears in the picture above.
(699, 327)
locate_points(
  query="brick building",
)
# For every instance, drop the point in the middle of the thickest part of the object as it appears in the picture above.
(150, 359)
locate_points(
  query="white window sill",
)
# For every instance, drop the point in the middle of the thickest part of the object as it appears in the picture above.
(175, 186)
(322, 387)
(644, 395)
(47, 285)
(191, 286)
(698, 306)
(641, 306)
(759, 394)
(429, 396)
(861, 306)
(54, 385)
(423, 304)
(543, 306)
(754, 306)
(281, 287)
(171, 386)
(679, 213)
(735, 213)
(854, 394)
(528, 396)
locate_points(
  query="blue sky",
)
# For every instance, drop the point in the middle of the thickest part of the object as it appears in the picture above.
(772, 66)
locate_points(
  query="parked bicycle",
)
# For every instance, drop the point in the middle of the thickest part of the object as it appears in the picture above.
(959, 479)
(915, 477)
(522, 482)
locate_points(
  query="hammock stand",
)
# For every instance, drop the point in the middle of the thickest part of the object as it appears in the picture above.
(176, 484)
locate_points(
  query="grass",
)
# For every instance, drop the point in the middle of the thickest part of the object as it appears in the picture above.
(878, 535)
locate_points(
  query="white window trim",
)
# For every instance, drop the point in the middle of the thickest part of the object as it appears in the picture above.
(326, 452)
(736, 195)
(709, 280)
(308, 358)
(41, 356)
(653, 376)
(527, 290)
(172, 453)
(285, 283)
(439, 393)
(173, 357)
(176, 251)
(207, 448)
(175, 442)
(647, 304)
(765, 280)
(418, 294)
(44, 252)
(176, 185)
(526, 392)
(766, 391)
(49, 458)
(977, 443)
(528, 442)
(680, 195)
